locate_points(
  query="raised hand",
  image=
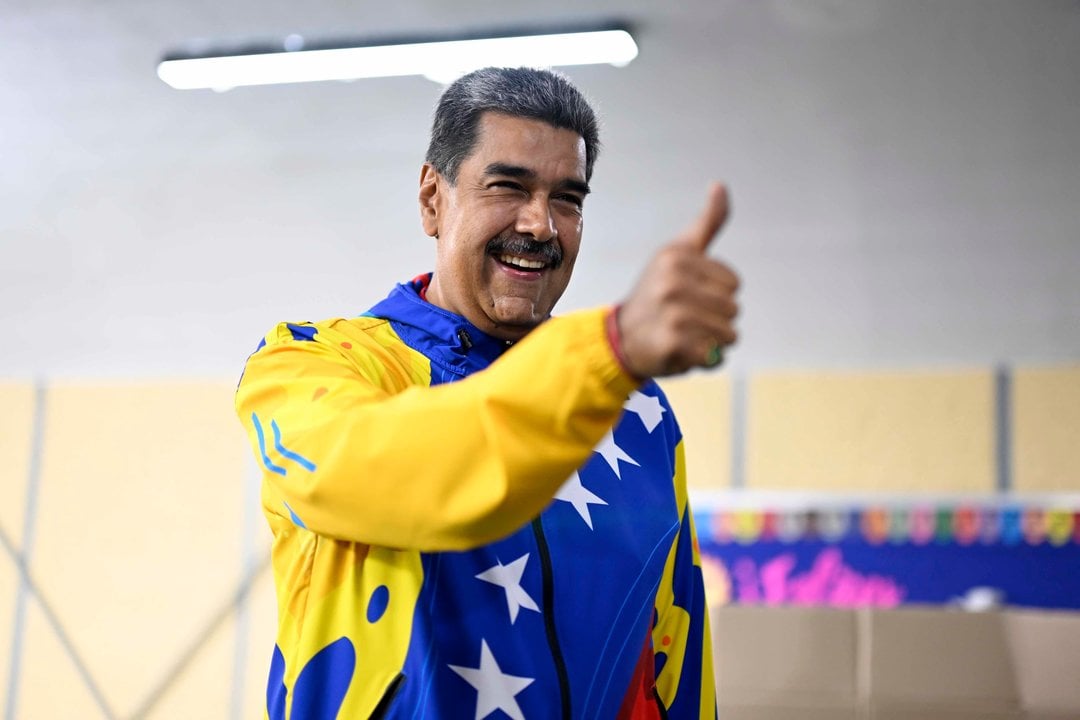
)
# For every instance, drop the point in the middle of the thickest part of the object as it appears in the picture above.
(680, 314)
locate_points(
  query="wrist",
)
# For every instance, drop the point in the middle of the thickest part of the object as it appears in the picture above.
(615, 340)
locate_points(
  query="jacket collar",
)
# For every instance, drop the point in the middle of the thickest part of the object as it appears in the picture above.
(446, 339)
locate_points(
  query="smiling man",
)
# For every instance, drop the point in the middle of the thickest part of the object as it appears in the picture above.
(509, 223)
(479, 510)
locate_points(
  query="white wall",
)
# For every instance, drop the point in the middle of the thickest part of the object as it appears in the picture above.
(906, 179)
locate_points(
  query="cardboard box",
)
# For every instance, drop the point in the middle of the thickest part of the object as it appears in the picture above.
(1045, 649)
(783, 663)
(929, 664)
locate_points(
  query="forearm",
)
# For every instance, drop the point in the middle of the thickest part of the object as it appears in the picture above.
(435, 468)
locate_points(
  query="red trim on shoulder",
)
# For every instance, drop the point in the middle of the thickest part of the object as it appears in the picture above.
(421, 282)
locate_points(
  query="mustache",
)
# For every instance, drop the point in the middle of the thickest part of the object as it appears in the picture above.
(548, 253)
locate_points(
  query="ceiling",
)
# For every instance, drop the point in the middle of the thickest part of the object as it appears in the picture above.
(904, 176)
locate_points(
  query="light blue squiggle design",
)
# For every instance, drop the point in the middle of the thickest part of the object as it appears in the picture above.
(262, 447)
(287, 453)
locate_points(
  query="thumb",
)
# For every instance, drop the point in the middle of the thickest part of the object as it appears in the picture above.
(701, 233)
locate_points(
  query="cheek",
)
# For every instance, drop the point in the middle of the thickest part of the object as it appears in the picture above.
(570, 235)
(574, 225)
(568, 268)
(492, 217)
(462, 259)
(475, 233)
(570, 250)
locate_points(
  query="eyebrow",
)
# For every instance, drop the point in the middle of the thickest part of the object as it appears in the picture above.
(524, 173)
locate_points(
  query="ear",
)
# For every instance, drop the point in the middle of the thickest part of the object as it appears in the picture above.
(430, 199)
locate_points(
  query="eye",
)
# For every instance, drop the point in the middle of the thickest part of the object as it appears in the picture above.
(575, 200)
(507, 184)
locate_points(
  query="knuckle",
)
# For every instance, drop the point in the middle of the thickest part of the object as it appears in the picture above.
(670, 291)
(682, 319)
(734, 282)
(724, 276)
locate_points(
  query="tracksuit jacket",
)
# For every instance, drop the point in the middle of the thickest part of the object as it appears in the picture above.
(464, 528)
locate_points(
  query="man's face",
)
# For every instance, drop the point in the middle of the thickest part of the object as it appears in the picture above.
(508, 231)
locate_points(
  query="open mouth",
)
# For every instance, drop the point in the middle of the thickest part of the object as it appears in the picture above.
(521, 263)
(523, 256)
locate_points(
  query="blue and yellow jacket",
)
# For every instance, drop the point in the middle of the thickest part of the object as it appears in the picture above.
(422, 567)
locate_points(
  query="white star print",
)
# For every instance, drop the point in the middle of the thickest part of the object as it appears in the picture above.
(575, 493)
(508, 577)
(647, 407)
(613, 453)
(494, 689)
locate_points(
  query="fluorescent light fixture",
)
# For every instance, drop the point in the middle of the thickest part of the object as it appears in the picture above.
(440, 59)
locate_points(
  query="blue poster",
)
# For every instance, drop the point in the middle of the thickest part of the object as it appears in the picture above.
(884, 557)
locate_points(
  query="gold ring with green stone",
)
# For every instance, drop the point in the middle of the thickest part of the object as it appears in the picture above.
(715, 356)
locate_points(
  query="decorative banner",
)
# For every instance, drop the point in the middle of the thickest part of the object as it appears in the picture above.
(922, 525)
(1059, 527)
(965, 525)
(883, 557)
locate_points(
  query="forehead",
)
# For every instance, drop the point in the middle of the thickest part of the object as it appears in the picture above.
(528, 143)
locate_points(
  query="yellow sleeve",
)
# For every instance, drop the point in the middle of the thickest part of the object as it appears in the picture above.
(352, 451)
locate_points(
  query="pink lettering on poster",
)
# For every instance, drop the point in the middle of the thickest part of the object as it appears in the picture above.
(829, 582)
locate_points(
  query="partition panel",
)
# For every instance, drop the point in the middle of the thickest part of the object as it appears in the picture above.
(897, 432)
(51, 684)
(1046, 429)
(16, 442)
(702, 403)
(139, 523)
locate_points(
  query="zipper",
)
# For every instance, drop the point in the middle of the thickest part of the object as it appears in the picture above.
(549, 617)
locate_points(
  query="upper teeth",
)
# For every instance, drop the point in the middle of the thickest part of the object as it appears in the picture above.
(521, 262)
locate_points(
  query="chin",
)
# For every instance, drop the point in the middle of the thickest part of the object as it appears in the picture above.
(514, 328)
(513, 316)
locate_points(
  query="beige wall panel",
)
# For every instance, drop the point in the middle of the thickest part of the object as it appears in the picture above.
(50, 685)
(262, 632)
(203, 689)
(139, 529)
(16, 437)
(896, 432)
(9, 585)
(702, 403)
(1046, 429)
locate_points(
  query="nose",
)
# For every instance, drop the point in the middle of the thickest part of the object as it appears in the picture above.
(535, 218)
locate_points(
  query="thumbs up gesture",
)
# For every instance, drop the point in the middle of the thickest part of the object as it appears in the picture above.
(680, 314)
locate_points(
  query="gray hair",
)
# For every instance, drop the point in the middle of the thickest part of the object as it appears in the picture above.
(519, 92)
